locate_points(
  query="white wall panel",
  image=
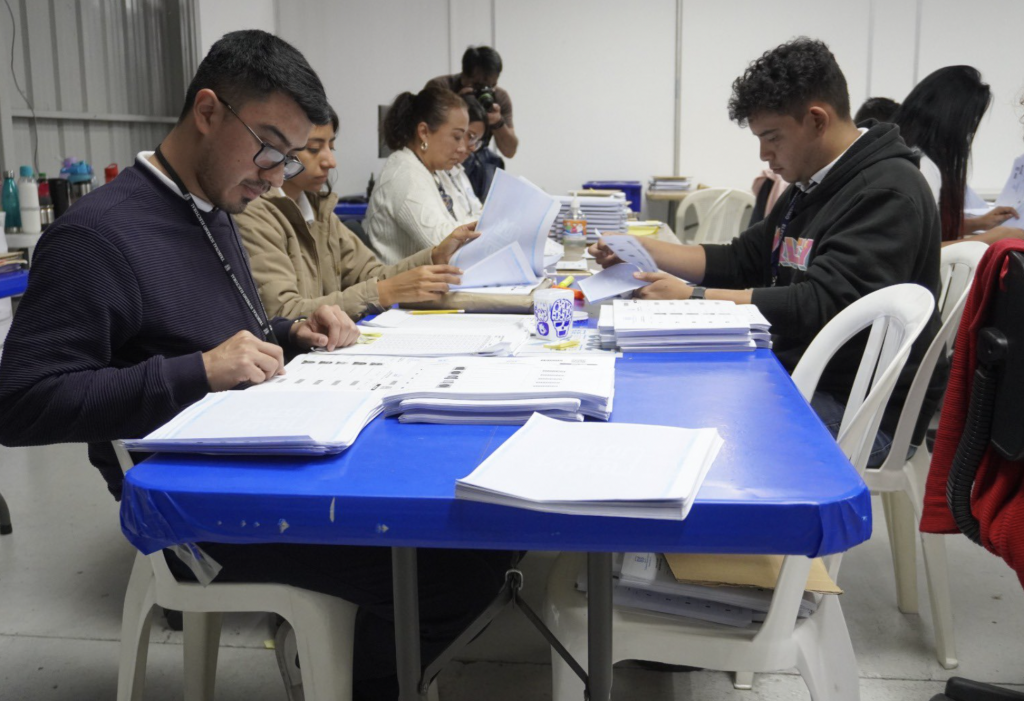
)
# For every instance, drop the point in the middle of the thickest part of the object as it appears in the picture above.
(218, 17)
(988, 39)
(592, 85)
(720, 39)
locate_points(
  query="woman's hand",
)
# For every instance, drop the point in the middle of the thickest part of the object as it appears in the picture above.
(444, 251)
(994, 218)
(425, 283)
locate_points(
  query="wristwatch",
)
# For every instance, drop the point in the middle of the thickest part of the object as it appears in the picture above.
(698, 292)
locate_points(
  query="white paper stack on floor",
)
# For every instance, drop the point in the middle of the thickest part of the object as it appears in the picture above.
(678, 325)
(514, 226)
(605, 214)
(628, 470)
(506, 390)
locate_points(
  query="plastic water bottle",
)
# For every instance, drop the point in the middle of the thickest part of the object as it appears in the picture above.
(12, 210)
(574, 231)
(28, 197)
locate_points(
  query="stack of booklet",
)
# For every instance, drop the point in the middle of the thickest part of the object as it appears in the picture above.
(323, 400)
(733, 590)
(628, 470)
(670, 183)
(604, 214)
(635, 325)
(506, 390)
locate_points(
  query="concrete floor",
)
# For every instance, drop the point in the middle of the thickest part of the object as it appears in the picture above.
(64, 569)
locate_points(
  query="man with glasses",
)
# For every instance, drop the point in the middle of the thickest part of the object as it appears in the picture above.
(141, 302)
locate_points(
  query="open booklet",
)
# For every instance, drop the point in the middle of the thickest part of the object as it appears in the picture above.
(630, 470)
(514, 227)
(617, 279)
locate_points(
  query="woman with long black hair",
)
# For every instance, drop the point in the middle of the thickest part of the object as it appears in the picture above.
(940, 117)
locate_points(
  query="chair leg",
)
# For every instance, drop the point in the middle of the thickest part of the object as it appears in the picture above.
(899, 515)
(201, 645)
(937, 573)
(5, 518)
(825, 654)
(743, 681)
(324, 630)
(139, 602)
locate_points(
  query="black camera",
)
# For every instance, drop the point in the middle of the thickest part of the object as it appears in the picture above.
(485, 96)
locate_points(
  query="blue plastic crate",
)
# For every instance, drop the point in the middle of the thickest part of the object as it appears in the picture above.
(632, 188)
(350, 210)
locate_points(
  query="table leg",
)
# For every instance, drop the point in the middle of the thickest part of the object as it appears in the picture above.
(407, 622)
(599, 622)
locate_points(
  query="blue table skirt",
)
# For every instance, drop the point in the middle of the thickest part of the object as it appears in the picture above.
(13, 283)
(780, 484)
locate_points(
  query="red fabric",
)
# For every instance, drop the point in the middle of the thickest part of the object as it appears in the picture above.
(998, 498)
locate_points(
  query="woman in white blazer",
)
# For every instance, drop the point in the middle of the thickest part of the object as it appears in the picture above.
(412, 206)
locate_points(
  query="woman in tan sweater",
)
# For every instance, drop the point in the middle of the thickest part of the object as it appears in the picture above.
(303, 256)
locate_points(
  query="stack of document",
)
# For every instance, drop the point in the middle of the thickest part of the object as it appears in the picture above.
(426, 343)
(676, 325)
(669, 183)
(645, 581)
(514, 225)
(604, 214)
(627, 470)
(505, 390)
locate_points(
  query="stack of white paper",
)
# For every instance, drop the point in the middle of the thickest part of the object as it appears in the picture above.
(298, 422)
(628, 470)
(425, 343)
(507, 390)
(514, 225)
(604, 214)
(668, 183)
(678, 325)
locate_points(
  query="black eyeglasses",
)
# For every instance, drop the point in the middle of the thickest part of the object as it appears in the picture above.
(268, 157)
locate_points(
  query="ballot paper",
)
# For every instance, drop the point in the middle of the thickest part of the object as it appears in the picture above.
(1013, 193)
(628, 470)
(682, 325)
(517, 214)
(441, 343)
(619, 278)
(301, 422)
(462, 323)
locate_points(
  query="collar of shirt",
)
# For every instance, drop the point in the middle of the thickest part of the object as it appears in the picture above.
(143, 159)
(820, 175)
(305, 208)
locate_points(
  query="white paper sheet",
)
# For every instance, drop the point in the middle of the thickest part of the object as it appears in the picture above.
(1013, 193)
(516, 211)
(506, 266)
(611, 282)
(630, 250)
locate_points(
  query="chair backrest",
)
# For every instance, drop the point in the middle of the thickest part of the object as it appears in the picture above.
(896, 315)
(693, 212)
(728, 216)
(957, 267)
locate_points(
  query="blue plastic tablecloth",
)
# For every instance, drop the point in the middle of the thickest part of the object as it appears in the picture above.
(13, 283)
(780, 484)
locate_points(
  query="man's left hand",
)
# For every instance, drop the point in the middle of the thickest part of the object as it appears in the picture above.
(494, 114)
(663, 286)
(328, 327)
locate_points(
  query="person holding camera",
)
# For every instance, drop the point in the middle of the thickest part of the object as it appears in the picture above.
(481, 67)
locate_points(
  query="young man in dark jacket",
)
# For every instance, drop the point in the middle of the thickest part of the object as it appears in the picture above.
(858, 217)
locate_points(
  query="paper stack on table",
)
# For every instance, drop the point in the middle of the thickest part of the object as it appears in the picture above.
(628, 470)
(412, 343)
(506, 390)
(670, 183)
(682, 325)
(605, 214)
(514, 226)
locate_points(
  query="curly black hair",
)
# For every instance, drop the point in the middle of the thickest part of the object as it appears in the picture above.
(786, 79)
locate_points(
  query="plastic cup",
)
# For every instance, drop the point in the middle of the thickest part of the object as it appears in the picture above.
(552, 310)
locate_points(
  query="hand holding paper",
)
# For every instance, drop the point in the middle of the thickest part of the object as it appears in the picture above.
(618, 278)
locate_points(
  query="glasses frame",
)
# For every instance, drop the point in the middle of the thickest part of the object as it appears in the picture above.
(271, 156)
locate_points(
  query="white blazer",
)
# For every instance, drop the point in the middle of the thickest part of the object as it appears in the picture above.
(406, 213)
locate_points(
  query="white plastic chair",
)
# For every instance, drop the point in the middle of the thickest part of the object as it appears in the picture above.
(819, 646)
(721, 214)
(901, 481)
(323, 627)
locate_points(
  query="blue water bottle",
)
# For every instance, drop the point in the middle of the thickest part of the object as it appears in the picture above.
(12, 207)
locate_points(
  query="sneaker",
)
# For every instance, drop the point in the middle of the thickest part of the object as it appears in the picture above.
(286, 649)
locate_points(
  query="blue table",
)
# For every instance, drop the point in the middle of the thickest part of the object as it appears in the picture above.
(13, 283)
(780, 485)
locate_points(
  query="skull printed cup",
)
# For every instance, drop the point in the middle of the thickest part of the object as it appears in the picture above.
(552, 310)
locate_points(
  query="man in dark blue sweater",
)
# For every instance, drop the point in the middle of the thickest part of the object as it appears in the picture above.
(141, 302)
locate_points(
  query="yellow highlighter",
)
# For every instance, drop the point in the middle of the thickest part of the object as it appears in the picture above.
(564, 345)
(566, 282)
(438, 311)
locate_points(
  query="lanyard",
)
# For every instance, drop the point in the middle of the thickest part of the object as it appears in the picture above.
(780, 234)
(262, 321)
